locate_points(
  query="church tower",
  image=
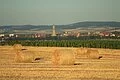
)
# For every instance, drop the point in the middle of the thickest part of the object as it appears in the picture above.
(53, 31)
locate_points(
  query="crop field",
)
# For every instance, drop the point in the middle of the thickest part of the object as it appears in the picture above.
(106, 68)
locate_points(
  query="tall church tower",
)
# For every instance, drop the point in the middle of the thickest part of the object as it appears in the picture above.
(53, 31)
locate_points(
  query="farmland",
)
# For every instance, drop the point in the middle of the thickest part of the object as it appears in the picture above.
(106, 68)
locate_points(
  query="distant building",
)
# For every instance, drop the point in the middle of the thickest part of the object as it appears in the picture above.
(112, 35)
(84, 34)
(78, 35)
(16, 36)
(11, 35)
(116, 33)
(53, 31)
(40, 35)
(2, 35)
(104, 34)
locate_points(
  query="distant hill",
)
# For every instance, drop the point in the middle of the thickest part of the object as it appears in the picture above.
(93, 24)
(86, 24)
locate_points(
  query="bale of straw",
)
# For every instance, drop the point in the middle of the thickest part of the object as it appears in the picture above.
(24, 57)
(92, 54)
(80, 52)
(18, 58)
(17, 47)
(63, 57)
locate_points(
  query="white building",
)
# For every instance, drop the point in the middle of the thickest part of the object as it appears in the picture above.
(2, 35)
(11, 35)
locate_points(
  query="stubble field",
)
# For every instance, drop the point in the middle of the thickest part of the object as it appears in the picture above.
(106, 68)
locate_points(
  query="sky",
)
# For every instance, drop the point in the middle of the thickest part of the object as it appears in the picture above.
(44, 12)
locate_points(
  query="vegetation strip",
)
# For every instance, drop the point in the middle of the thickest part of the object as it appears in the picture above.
(110, 44)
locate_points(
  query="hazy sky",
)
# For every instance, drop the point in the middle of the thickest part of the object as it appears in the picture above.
(37, 12)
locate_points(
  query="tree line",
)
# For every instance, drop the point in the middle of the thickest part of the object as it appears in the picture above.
(110, 44)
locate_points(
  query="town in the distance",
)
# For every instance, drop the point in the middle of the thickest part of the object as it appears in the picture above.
(81, 30)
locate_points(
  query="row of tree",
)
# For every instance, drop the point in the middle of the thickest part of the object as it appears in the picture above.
(111, 44)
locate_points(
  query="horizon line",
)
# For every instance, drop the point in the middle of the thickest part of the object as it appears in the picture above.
(55, 24)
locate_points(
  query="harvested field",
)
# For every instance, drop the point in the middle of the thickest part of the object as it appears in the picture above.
(106, 68)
